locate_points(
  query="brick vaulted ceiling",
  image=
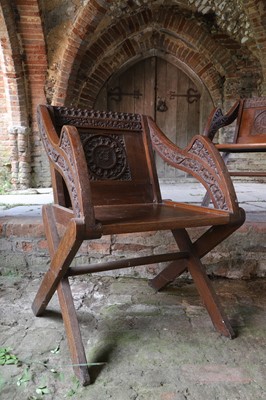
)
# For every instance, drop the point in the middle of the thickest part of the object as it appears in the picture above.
(217, 46)
(63, 51)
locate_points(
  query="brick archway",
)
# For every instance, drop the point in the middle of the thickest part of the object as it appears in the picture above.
(86, 89)
(87, 64)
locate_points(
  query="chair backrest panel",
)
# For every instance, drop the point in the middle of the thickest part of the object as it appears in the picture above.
(251, 124)
(118, 153)
(118, 166)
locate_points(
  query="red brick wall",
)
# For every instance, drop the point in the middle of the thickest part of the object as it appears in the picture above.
(64, 51)
(4, 142)
(24, 250)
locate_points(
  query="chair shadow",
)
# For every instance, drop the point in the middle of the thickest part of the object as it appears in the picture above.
(100, 359)
(243, 318)
(102, 355)
(52, 314)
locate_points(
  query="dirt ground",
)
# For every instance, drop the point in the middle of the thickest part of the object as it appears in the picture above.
(140, 345)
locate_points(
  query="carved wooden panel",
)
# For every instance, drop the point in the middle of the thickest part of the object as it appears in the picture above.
(99, 119)
(255, 102)
(106, 157)
(219, 120)
(259, 126)
(61, 163)
(186, 160)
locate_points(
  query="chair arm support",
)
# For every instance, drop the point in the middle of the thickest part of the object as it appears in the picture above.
(201, 160)
(66, 155)
(217, 120)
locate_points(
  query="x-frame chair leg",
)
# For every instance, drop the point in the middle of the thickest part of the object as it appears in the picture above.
(203, 245)
(168, 274)
(55, 279)
(203, 284)
(74, 338)
(61, 253)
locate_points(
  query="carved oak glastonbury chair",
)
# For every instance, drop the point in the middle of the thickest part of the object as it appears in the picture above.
(105, 182)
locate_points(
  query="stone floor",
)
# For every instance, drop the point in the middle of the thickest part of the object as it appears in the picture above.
(251, 196)
(140, 345)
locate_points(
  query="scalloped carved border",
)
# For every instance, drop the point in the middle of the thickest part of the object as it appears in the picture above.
(99, 119)
(259, 126)
(255, 102)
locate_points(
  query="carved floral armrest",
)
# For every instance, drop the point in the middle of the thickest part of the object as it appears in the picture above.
(66, 156)
(202, 160)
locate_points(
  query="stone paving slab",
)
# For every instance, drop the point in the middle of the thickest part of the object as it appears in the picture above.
(251, 196)
(150, 346)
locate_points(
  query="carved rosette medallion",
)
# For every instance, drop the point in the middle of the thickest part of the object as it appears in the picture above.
(260, 123)
(106, 157)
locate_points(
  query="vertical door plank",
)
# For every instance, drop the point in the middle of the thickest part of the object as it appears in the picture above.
(126, 84)
(101, 102)
(149, 87)
(161, 116)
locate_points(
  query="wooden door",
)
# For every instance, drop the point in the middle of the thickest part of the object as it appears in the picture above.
(157, 88)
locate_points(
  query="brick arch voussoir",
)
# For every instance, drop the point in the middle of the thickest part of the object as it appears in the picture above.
(96, 53)
(83, 28)
(101, 74)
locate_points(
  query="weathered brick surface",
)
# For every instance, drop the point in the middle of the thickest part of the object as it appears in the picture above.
(23, 246)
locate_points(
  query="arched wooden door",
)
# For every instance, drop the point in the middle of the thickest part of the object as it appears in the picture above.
(157, 88)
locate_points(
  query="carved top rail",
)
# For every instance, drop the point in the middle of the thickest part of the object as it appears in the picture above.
(95, 119)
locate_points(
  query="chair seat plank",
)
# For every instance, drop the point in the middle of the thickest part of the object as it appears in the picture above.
(150, 217)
